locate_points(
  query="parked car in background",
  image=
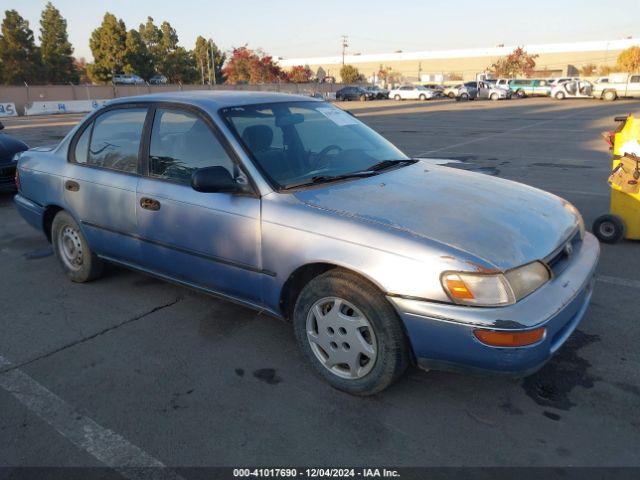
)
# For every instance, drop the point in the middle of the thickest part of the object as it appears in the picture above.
(158, 80)
(378, 92)
(602, 80)
(530, 87)
(502, 84)
(618, 85)
(354, 93)
(437, 88)
(452, 91)
(127, 80)
(9, 146)
(412, 92)
(481, 90)
(572, 89)
(293, 207)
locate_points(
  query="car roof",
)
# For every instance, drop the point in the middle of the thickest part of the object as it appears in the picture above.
(214, 100)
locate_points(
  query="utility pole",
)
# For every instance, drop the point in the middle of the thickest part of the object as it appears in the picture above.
(345, 44)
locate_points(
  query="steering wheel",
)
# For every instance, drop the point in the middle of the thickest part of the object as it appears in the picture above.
(323, 153)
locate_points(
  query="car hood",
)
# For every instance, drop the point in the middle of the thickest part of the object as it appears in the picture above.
(504, 223)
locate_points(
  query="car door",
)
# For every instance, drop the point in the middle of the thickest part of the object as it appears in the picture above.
(633, 88)
(101, 177)
(483, 90)
(211, 240)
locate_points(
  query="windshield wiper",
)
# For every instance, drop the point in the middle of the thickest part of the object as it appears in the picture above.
(330, 178)
(384, 164)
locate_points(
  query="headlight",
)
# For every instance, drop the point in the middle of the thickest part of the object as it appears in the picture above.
(492, 290)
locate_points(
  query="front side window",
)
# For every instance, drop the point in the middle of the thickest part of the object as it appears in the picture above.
(181, 143)
(115, 139)
(295, 142)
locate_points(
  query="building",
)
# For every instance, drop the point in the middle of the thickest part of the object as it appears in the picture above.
(554, 59)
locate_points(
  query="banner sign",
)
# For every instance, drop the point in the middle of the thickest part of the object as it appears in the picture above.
(8, 110)
(67, 106)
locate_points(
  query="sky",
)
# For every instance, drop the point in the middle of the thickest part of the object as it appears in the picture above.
(290, 29)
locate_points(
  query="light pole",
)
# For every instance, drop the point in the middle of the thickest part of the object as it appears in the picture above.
(345, 44)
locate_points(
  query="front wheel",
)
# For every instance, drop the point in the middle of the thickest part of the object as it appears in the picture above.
(463, 97)
(397, 98)
(494, 97)
(521, 94)
(350, 333)
(72, 250)
(610, 95)
(422, 97)
(608, 228)
(559, 96)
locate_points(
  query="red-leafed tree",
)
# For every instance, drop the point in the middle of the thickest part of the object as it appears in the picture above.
(251, 66)
(300, 74)
(517, 63)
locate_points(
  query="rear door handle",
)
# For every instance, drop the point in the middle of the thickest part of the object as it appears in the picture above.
(150, 204)
(72, 186)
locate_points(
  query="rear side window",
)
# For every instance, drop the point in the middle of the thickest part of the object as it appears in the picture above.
(82, 146)
(181, 143)
(635, 79)
(115, 140)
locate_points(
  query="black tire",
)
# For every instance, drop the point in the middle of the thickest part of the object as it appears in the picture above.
(363, 98)
(463, 97)
(393, 350)
(520, 94)
(422, 97)
(559, 96)
(494, 97)
(608, 228)
(90, 267)
(451, 95)
(610, 95)
(397, 98)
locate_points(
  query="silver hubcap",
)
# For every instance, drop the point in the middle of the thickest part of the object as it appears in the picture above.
(70, 247)
(341, 338)
(607, 229)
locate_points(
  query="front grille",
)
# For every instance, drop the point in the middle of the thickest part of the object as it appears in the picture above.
(562, 256)
(7, 173)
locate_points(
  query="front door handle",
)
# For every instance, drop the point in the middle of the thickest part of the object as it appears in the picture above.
(150, 204)
(72, 186)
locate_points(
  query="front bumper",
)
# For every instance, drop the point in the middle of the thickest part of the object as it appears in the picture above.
(442, 334)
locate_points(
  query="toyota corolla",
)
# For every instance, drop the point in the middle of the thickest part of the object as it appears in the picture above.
(292, 206)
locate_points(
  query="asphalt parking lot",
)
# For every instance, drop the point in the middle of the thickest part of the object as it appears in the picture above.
(184, 379)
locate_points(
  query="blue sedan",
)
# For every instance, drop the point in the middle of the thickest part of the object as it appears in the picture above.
(292, 206)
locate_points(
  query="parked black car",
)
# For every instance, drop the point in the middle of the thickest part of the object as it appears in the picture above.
(9, 146)
(354, 93)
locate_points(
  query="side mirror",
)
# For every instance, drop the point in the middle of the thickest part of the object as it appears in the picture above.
(213, 180)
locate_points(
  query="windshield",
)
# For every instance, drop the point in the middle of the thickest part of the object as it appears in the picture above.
(297, 142)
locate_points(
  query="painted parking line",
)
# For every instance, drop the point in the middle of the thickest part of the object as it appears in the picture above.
(621, 282)
(103, 444)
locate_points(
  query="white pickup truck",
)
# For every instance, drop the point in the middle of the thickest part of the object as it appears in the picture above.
(618, 85)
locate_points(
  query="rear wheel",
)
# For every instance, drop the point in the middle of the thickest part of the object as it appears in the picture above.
(463, 97)
(560, 96)
(350, 333)
(494, 97)
(397, 97)
(451, 95)
(608, 228)
(72, 250)
(422, 97)
(610, 95)
(521, 94)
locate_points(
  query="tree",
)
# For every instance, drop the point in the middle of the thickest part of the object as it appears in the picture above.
(249, 66)
(350, 74)
(55, 48)
(202, 56)
(300, 74)
(152, 37)
(19, 56)
(108, 45)
(80, 65)
(629, 60)
(321, 75)
(137, 58)
(605, 70)
(387, 75)
(518, 62)
(588, 70)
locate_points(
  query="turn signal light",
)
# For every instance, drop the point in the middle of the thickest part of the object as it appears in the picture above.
(458, 289)
(509, 339)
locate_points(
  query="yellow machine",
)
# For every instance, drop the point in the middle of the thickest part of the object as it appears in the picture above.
(623, 221)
